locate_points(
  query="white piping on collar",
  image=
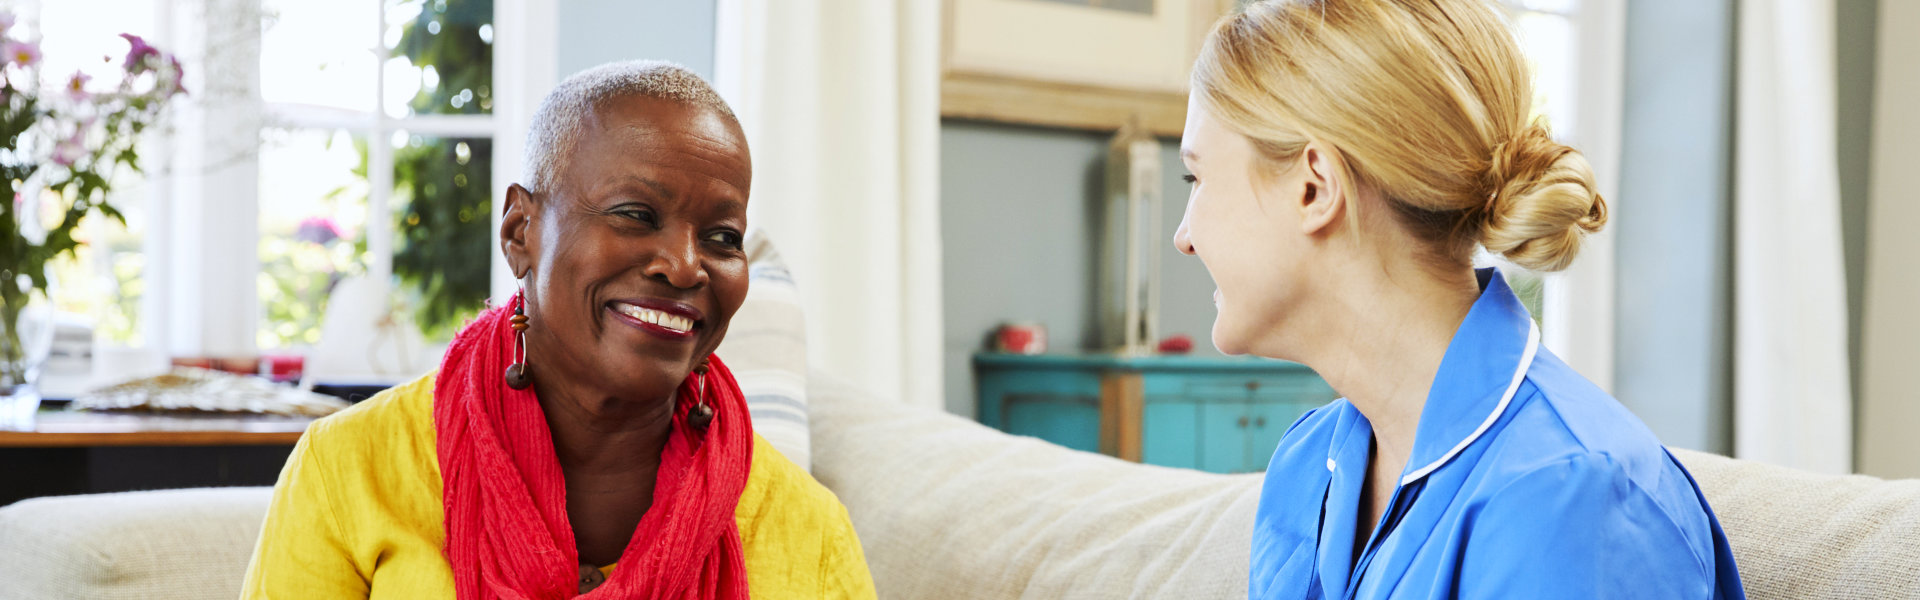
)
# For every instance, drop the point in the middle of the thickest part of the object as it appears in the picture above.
(1520, 374)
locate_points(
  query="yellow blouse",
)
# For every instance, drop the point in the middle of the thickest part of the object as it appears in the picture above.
(357, 513)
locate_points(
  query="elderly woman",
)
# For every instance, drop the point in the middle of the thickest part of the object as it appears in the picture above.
(581, 439)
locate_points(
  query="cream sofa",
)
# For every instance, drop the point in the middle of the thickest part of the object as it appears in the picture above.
(949, 509)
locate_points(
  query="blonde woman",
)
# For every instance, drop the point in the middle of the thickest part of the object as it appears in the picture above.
(1348, 159)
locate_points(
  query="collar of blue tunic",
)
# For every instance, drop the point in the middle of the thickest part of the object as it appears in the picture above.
(1483, 367)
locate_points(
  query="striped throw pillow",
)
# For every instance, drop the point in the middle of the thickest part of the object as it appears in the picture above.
(766, 347)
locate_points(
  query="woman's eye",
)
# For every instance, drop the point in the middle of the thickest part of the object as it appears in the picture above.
(729, 238)
(1190, 179)
(644, 216)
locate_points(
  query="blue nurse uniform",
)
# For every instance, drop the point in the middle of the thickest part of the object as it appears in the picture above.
(1525, 481)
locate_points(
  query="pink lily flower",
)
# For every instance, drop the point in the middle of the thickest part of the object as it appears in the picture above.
(77, 86)
(319, 230)
(25, 54)
(137, 55)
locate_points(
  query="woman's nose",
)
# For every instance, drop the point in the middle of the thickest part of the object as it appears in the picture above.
(677, 261)
(1182, 237)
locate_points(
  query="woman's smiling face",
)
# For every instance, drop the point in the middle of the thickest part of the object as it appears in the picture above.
(1247, 224)
(633, 260)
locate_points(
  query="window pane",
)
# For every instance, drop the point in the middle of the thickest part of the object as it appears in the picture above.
(102, 282)
(319, 53)
(85, 36)
(442, 61)
(443, 250)
(313, 210)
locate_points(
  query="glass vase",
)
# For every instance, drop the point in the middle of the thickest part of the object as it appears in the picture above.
(26, 336)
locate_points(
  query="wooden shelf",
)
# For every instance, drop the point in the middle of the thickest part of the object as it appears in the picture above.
(63, 429)
(1006, 100)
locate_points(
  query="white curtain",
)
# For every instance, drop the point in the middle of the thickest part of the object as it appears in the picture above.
(1793, 404)
(840, 101)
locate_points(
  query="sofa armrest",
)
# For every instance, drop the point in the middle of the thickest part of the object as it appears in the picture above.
(175, 544)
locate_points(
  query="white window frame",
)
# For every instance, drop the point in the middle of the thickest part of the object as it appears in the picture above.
(174, 318)
(378, 128)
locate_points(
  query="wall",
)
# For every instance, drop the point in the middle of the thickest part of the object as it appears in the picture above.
(1017, 219)
(599, 31)
(1890, 394)
(1671, 220)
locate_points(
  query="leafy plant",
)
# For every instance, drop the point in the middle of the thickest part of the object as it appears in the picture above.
(58, 155)
(443, 184)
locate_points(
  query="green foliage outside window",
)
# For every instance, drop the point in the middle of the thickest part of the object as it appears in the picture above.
(443, 185)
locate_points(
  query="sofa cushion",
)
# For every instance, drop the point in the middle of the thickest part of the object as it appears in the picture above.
(176, 544)
(766, 347)
(1801, 535)
(948, 508)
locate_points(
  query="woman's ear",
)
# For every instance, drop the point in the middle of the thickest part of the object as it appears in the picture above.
(1323, 198)
(516, 229)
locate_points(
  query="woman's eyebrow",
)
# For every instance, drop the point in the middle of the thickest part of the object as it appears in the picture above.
(729, 207)
(635, 182)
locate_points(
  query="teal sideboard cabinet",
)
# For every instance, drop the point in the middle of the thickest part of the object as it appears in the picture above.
(1224, 415)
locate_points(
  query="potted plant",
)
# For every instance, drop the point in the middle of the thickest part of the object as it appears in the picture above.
(60, 149)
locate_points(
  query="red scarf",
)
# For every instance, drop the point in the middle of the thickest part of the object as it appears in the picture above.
(505, 498)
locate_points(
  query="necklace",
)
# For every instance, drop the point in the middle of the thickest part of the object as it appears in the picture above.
(590, 577)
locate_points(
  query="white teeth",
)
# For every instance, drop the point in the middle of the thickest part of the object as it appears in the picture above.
(663, 319)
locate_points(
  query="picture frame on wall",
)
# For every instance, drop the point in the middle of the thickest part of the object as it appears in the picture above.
(1079, 64)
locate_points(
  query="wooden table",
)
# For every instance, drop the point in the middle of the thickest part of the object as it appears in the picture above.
(70, 452)
(72, 429)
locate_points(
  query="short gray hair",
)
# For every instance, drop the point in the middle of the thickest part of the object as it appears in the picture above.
(557, 123)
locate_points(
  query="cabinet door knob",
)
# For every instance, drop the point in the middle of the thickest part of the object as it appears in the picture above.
(1243, 421)
(1260, 422)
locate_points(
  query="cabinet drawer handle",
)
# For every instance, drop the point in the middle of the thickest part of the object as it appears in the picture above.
(1243, 421)
(1253, 386)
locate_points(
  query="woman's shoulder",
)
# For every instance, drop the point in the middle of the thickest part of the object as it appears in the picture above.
(403, 413)
(1569, 433)
(1567, 419)
(799, 539)
(779, 489)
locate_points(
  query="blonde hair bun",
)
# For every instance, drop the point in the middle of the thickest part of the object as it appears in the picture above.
(1544, 202)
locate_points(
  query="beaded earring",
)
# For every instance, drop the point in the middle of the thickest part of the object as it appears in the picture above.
(518, 377)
